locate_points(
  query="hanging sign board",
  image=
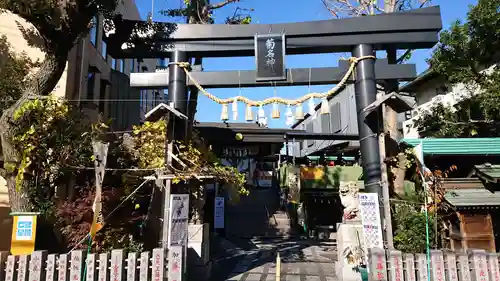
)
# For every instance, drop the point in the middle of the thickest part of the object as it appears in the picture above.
(219, 213)
(370, 219)
(270, 52)
(23, 234)
(179, 215)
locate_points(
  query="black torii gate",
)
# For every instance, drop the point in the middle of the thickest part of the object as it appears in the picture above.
(361, 36)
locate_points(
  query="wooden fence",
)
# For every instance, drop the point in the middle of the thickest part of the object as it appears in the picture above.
(40, 266)
(473, 265)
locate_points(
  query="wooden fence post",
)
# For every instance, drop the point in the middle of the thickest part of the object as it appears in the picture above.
(22, 268)
(76, 265)
(437, 265)
(3, 266)
(36, 266)
(11, 270)
(479, 265)
(395, 265)
(409, 267)
(493, 266)
(116, 265)
(62, 267)
(90, 267)
(50, 269)
(421, 267)
(144, 267)
(463, 267)
(131, 266)
(450, 261)
(158, 260)
(103, 267)
(377, 264)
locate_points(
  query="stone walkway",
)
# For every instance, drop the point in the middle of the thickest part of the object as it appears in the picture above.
(299, 262)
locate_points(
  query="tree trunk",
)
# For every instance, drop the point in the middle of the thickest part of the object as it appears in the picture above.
(42, 83)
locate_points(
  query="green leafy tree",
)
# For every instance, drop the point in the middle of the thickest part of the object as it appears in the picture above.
(57, 25)
(467, 54)
(14, 69)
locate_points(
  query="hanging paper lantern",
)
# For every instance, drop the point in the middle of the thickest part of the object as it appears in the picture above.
(299, 113)
(224, 116)
(235, 110)
(311, 106)
(324, 106)
(276, 111)
(248, 113)
(289, 116)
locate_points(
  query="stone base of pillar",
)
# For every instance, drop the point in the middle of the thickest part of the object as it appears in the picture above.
(350, 249)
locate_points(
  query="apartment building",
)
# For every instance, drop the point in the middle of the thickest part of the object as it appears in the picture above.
(429, 89)
(92, 79)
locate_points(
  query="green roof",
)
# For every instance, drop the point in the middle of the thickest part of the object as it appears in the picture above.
(458, 146)
(472, 197)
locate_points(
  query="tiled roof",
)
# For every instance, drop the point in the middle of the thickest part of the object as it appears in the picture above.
(458, 146)
(487, 172)
(473, 197)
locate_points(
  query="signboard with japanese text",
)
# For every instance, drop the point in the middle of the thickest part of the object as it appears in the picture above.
(175, 262)
(437, 265)
(270, 50)
(219, 213)
(23, 234)
(370, 218)
(396, 264)
(179, 212)
(377, 264)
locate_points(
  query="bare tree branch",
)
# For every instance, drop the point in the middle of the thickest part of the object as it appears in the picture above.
(222, 4)
(332, 11)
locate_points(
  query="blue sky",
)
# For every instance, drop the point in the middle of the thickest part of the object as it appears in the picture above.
(282, 11)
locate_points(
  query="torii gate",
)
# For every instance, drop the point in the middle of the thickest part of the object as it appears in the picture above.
(361, 36)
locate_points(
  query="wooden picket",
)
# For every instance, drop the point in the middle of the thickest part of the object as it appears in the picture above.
(445, 265)
(115, 266)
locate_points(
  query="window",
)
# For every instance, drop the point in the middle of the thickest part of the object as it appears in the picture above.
(102, 96)
(93, 31)
(335, 118)
(132, 65)
(325, 123)
(90, 85)
(122, 66)
(104, 51)
(113, 64)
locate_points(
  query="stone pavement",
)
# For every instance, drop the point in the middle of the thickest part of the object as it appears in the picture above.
(300, 261)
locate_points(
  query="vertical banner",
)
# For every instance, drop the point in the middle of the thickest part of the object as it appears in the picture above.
(370, 218)
(179, 215)
(270, 50)
(23, 233)
(219, 213)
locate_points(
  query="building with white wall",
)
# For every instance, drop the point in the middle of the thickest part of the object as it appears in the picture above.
(428, 90)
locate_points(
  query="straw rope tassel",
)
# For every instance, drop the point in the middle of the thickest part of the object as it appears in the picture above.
(324, 106)
(311, 107)
(248, 114)
(224, 115)
(299, 112)
(276, 111)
